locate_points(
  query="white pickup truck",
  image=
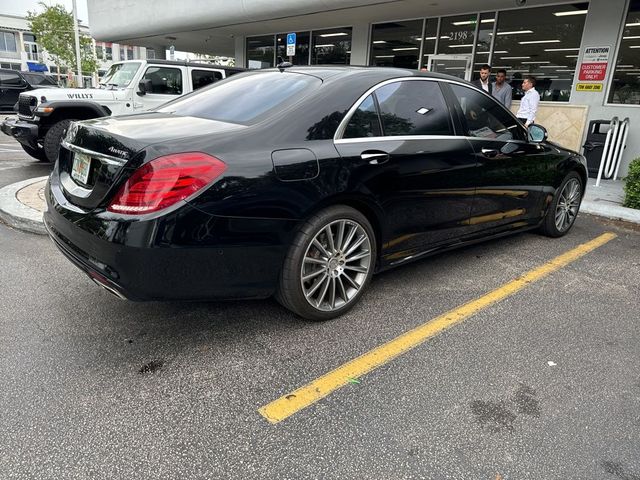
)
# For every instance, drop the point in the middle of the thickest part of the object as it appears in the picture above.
(128, 87)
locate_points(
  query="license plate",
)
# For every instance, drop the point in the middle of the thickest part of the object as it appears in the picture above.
(81, 166)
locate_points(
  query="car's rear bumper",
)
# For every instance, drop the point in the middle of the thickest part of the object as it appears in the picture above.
(24, 132)
(206, 257)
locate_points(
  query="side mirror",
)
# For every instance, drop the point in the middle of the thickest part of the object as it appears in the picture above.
(537, 133)
(144, 87)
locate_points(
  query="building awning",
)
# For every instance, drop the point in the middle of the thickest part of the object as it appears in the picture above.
(37, 67)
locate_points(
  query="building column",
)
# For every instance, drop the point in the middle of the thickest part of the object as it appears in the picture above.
(21, 52)
(240, 56)
(360, 44)
(601, 29)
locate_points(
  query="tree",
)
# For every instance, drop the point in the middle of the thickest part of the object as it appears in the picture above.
(53, 29)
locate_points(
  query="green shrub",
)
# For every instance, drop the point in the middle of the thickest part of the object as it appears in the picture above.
(632, 186)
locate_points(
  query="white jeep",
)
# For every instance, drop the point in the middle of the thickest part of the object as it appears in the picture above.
(128, 87)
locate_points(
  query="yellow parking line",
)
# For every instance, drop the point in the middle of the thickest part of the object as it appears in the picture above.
(295, 401)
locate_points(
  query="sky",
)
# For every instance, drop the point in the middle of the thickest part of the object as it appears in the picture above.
(20, 7)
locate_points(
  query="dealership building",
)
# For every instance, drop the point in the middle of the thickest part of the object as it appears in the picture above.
(584, 55)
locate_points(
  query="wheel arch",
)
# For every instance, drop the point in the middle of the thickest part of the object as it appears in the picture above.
(74, 110)
(361, 203)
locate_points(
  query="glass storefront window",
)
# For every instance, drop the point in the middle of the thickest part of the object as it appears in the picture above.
(302, 48)
(260, 51)
(457, 35)
(483, 43)
(430, 40)
(625, 87)
(543, 42)
(331, 46)
(396, 44)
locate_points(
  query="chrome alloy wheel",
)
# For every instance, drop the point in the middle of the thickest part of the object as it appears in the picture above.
(336, 265)
(568, 205)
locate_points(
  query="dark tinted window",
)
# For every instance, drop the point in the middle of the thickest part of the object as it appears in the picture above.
(8, 79)
(164, 80)
(413, 108)
(202, 78)
(365, 121)
(34, 79)
(486, 118)
(244, 98)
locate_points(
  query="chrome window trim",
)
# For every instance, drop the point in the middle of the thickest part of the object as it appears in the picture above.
(400, 138)
(107, 159)
(405, 138)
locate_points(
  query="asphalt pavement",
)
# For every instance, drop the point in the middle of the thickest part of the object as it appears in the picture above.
(543, 384)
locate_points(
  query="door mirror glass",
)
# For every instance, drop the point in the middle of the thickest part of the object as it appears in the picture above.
(145, 86)
(537, 133)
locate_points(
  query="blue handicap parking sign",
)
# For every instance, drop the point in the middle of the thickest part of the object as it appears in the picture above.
(291, 38)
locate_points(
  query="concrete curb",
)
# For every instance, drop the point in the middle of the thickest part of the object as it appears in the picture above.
(15, 213)
(614, 212)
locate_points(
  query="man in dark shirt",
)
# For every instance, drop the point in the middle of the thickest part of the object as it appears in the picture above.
(484, 82)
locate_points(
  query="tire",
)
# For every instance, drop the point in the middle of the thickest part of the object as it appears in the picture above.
(564, 207)
(37, 153)
(338, 267)
(53, 138)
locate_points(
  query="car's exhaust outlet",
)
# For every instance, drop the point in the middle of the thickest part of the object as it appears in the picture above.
(108, 288)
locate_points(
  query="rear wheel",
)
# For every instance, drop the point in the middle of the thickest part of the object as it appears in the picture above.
(53, 138)
(329, 264)
(37, 153)
(564, 208)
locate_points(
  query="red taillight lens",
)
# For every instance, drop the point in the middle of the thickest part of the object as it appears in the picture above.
(165, 181)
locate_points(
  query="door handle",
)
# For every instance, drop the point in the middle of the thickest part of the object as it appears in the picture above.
(490, 152)
(375, 157)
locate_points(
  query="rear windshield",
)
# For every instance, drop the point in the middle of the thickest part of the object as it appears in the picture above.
(244, 99)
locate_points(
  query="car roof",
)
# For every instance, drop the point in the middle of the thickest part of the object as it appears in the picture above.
(326, 72)
(188, 64)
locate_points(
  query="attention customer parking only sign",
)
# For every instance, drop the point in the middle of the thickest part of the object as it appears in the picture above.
(593, 68)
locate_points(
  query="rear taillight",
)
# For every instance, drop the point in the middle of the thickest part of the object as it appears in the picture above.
(164, 181)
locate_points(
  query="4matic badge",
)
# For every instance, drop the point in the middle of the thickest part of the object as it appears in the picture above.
(122, 153)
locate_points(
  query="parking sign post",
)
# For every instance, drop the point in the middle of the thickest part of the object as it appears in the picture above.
(291, 46)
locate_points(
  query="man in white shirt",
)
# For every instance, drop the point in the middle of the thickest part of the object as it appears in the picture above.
(529, 103)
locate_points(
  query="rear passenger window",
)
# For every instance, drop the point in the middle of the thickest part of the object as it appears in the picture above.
(413, 108)
(167, 81)
(202, 78)
(365, 121)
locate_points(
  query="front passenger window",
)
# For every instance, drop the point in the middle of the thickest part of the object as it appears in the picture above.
(486, 118)
(9, 79)
(167, 81)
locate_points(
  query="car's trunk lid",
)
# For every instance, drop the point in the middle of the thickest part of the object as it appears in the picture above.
(97, 156)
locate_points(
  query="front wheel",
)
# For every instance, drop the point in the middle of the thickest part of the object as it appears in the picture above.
(329, 264)
(53, 138)
(564, 208)
(37, 153)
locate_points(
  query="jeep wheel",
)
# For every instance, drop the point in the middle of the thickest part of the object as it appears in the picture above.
(37, 153)
(53, 138)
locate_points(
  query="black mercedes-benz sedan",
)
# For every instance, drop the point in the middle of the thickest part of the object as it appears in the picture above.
(301, 183)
